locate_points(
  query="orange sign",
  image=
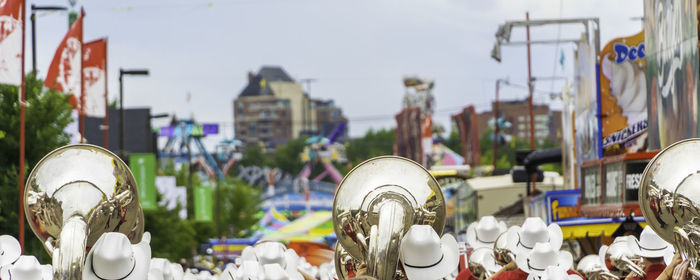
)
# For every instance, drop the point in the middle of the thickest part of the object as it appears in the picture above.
(623, 95)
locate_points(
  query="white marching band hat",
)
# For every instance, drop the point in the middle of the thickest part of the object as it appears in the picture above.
(536, 261)
(114, 257)
(25, 268)
(650, 245)
(10, 250)
(483, 234)
(425, 255)
(554, 273)
(533, 231)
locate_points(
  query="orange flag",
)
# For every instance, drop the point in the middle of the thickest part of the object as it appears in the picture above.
(11, 41)
(95, 78)
(65, 71)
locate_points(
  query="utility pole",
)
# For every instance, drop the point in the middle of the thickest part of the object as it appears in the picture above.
(503, 38)
(530, 89)
(495, 122)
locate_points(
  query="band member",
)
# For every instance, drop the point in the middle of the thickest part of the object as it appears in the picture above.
(653, 249)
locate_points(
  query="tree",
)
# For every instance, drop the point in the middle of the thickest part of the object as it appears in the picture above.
(171, 237)
(241, 207)
(47, 114)
(288, 157)
(254, 156)
(371, 145)
(506, 152)
(454, 142)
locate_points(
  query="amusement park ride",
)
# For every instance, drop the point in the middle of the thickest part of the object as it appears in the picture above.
(182, 133)
(324, 151)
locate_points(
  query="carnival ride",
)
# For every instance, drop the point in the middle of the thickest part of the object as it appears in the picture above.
(324, 151)
(182, 133)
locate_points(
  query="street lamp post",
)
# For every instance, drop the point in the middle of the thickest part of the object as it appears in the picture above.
(35, 9)
(122, 73)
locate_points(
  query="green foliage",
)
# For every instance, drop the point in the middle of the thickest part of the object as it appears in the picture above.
(254, 156)
(47, 114)
(171, 237)
(373, 144)
(506, 153)
(454, 142)
(241, 205)
(113, 103)
(287, 157)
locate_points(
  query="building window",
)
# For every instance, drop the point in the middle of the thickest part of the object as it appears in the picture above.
(251, 129)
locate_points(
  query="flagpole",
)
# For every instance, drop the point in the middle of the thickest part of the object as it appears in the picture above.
(106, 119)
(82, 84)
(22, 98)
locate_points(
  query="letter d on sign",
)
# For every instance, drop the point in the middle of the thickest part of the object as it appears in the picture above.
(621, 52)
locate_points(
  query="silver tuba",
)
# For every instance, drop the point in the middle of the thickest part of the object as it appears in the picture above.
(501, 251)
(669, 197)
(622, 258)
(593, 268)
(377, 202)
(74, 195)
(482, 263)
(345, 265)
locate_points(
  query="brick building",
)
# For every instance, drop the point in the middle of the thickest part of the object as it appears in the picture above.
(517, 113)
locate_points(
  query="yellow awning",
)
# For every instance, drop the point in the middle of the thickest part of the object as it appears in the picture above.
(591, 230)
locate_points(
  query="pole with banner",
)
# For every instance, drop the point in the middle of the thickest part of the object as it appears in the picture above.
(22, 108)
(12, 16)
(65, 71)
(95, 82)
(105, 126)
(202, 204)
(143, 166)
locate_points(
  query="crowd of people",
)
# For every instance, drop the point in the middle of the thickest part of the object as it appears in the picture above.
(534, 251)
(488, 250)
(114, 258)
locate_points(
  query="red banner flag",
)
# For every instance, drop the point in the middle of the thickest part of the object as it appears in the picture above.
(95, 78)
(11, 41)
(65, 71)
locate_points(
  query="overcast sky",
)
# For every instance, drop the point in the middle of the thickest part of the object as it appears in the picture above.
(358, 51)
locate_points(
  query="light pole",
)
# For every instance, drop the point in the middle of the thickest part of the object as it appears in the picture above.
(122, 73)
(495, 122)
(35, 9)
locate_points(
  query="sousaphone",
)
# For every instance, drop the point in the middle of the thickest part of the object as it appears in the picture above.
(74, 195)
(669, 197)
(375, 205)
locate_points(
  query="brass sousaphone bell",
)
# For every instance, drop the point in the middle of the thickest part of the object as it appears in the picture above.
(622, 258)
(593, 268)
(375, 205)
(501, 252)
(669, 197)
(74, 195)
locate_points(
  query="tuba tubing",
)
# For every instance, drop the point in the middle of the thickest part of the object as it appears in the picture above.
(70, 255)
(385, 239)
(633, 267)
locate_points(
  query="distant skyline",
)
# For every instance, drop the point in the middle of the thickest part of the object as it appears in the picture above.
(358, 51)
